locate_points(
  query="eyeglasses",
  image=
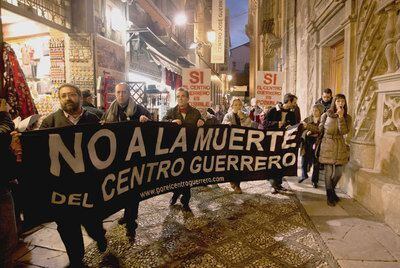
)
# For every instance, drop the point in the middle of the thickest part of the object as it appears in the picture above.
(68, 95)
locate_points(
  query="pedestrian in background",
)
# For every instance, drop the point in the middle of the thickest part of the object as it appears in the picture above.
(309, 139)
(236, 117)
(88, 104)
(326, 99)
(281, 117)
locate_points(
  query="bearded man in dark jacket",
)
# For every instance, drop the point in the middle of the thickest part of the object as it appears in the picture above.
(71, 113)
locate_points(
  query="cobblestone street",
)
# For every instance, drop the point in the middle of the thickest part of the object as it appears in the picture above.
(253, 229)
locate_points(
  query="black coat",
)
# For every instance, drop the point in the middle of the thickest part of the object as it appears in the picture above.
(7, 159)
(58, 119)
(91, 108)
(192, 116)
(274, 116)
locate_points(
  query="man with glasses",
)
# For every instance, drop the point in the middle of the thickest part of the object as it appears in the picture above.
(71, 113)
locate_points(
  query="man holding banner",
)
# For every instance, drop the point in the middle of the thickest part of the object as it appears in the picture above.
(72, 113)
(183, 113)
(124, 108)
(281, 116)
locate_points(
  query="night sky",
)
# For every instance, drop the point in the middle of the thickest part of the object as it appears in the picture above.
(237, 10)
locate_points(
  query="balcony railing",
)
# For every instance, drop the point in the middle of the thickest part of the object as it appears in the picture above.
(53, 11)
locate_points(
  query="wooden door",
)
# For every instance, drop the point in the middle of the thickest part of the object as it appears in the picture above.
(336, 65)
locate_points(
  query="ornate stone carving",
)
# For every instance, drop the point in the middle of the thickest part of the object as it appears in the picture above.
(390, 39)
(391, 113)
(370, 63)
(398, 39)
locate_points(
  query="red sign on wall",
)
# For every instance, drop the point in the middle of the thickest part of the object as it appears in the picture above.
(198, 83)
(269, 87)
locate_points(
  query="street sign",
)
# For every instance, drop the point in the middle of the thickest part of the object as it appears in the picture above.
(198, 83)
(269, 87)
(218, 25)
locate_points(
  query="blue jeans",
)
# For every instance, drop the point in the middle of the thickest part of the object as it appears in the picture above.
(8, 228)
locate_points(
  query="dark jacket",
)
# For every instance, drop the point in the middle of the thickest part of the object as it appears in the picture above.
(274, 115)
(192, 116)
(91, 108)
(6, 157)
(140, 110)
(309, 140)
(211, 120)
(326, 105)
(58, 119)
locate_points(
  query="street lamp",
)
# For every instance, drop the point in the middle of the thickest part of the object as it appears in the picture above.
(180, 19)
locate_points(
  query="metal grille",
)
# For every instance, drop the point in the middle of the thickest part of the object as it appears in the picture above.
(137, 90)
(56, 11)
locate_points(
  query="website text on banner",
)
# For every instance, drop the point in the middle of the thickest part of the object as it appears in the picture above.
(269, 87)
(93, 170)
(198, 83)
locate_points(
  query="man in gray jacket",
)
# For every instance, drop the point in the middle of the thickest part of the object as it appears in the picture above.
(124, 108)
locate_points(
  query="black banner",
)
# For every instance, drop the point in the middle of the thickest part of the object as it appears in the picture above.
(93, 170)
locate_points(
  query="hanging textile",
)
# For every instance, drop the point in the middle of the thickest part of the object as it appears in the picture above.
(16, 90)
(168, 77)
(178, 81)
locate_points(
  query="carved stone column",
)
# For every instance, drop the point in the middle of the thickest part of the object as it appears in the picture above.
(387, 134)
(398, 36)
(390, 8)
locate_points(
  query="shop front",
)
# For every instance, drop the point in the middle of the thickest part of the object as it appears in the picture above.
(160, 74)
(40, 52)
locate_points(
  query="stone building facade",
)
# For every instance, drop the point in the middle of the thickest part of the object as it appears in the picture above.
(353, 47)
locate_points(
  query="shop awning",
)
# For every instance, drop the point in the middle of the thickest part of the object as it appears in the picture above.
(154, 12)
(164, 61)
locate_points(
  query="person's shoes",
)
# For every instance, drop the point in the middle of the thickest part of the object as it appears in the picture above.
(281, 188)
(173, 200)
(335, 197)
(274, 191)
(233, 185)
(330, 203)
(315, 185)
(122, 221)
(237, 190)
(186, 207)
(102, 244)
(131, 233)
(302, 179)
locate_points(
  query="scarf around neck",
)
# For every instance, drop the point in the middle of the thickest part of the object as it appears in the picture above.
(112, 113)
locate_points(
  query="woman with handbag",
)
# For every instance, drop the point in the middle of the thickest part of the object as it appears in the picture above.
(334, 153)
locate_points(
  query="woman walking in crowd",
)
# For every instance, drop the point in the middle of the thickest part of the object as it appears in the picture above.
(235, 117)
(309, 139)
(334, 152)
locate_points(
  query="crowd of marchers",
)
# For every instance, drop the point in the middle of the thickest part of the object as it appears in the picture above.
(323, 149)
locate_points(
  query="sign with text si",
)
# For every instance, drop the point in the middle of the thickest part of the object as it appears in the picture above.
(269, 87)
(198, 83)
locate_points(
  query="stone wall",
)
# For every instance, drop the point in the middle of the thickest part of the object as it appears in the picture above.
(370, 31)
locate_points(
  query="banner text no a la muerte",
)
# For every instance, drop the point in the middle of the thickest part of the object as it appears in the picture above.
(95, 170)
